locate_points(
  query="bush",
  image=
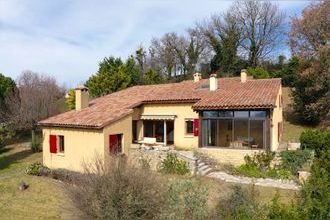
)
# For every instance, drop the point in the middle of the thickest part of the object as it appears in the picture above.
(248, 170)
(317, 140)
(172, 165)
(185, 200)
(241, 204)
(277, 210)
(294, 160)
(37, 169)
(261, 160)
(117, 190)
(315, 201)
(5, 134)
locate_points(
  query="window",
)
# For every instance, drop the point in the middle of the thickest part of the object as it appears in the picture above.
(225, 114)
(189, 126)
(241, 114)
(235, 129)
(56, 144)
(60, 144)
(210, 114)
(258, 114)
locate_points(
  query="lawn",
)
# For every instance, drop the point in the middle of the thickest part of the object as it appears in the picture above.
(291, 126)
(45, 198)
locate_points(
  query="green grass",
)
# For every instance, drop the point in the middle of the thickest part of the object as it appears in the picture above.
(45, 198)
(292, 128)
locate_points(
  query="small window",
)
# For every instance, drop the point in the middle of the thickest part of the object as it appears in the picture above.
(241, 114)
(60, 143)
(210, 113)
(257, 114)
(189, 126)
(225, 114)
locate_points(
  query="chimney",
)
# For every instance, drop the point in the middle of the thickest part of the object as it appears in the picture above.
(197, 77)
(213, 82)
(243, 76)
(82, 97)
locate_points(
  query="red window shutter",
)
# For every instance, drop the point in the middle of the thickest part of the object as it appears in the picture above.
(113, 143)
(52, 144)
(196, 123)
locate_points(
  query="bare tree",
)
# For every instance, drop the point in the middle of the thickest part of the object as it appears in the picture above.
(38, 99)
(312, 33)
(261, 24)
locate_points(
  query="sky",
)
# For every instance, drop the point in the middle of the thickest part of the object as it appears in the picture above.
(67, 39)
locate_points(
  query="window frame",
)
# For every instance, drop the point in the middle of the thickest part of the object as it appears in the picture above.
(186, 121)
(249, 118)
(60, 144)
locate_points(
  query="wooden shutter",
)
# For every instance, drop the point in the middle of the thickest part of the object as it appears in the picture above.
(52, 144)
(196, 123)
(113, 144)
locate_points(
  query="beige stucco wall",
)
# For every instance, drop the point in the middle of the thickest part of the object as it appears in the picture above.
(80, 145)
(182, 111)
(277, 117)
(122, 126)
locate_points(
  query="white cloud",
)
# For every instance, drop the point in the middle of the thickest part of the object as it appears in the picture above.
(67, 39)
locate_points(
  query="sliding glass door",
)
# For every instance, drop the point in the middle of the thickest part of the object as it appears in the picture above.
(235, 129)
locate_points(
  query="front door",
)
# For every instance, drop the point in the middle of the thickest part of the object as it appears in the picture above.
(115, 144)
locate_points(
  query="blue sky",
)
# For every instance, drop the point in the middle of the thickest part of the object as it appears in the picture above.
(67, 39)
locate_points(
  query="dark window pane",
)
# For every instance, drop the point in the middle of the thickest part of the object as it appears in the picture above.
(225, 114)
(212, 133)
(148, 128)
(258, 114)
(241, 114)
(210, 113)
(241, 135)
(257, 133)
(224, 135)
(205, 133)
(159, 130)
(189, 127)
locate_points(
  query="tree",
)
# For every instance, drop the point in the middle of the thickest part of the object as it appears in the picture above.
(260, 24)
(71, 100)
(113, 75)
(310, 41)
(7, 88)
(38, 99)
(152, 77)
(310, 33)
(311, 92)
(289, 72)
(258, 73)
(223, 35)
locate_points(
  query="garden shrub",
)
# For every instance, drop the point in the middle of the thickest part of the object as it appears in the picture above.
(315, 201)
(186, 199)
(261, 160)
(5, 134)
(248, 170)
(313, 139)
(241, 204)
(294, 160)
(37, 169)
(172, 165)
(278, 210)
(117, 190)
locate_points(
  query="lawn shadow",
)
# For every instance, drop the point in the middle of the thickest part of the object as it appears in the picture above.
(5, 149)
(8, 160)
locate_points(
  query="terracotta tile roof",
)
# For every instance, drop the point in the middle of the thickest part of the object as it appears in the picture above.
(231, 93)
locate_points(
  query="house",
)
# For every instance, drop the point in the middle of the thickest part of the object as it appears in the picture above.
(225, 118)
